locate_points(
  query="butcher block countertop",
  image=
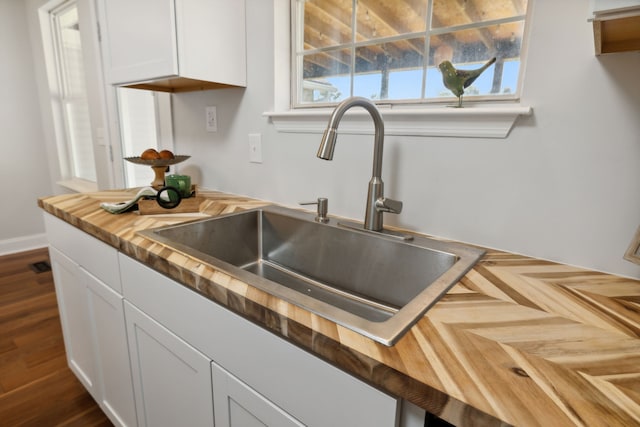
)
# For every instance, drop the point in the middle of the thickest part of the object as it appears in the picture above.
(517, 340)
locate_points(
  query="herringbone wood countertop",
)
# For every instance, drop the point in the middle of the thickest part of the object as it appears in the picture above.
(517, 340)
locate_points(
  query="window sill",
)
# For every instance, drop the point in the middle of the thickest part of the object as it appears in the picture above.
(487, 121)
(79, 185)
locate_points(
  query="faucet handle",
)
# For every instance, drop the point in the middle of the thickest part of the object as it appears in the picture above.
(384, 204)
(323, 209)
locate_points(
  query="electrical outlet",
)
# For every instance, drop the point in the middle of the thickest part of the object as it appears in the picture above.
(212, 119)
(255, 148)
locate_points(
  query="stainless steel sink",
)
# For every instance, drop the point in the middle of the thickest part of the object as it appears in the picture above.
(372, 283)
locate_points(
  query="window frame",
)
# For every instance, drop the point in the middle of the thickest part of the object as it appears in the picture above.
(494, 119)
(298, 53)
(135, 175)
(105, 118)
(61, 99)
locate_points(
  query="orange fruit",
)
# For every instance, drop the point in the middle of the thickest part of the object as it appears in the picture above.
(150, 154)
(166, 154)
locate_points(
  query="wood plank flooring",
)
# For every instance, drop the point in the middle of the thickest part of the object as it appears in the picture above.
(36, 386)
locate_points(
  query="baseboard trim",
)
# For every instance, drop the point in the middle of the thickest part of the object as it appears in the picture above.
(22, 244)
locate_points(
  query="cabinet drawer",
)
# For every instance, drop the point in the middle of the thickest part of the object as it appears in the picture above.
(96, 257)
(311, 390)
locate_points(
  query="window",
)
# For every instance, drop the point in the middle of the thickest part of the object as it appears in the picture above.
(143, 125)
(69, 94)
(389, 51)
(81, 104)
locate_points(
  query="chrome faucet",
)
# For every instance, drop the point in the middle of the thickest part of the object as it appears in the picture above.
(376, 202)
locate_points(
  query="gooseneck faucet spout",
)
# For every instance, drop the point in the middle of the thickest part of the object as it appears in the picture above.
(376, 202)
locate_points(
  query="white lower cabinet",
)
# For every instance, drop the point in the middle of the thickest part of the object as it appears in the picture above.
(115, 394)
(172, 380)
(71, 293)
(153, 352)
(92, 317)
(238, 405)
(258, 378)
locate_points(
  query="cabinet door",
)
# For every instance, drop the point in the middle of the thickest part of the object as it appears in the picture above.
(139, 39)
(106, 309)
(311, 390)
(171, 379)
(238, 405)
(71, 293)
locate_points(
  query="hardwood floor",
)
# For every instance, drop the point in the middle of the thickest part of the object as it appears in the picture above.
(36, 386)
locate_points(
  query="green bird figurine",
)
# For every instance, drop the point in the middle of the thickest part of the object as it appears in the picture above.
(457, 80)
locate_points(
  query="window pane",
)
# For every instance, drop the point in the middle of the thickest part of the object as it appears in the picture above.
(447, 13)
(326, 23)
(79, 131)
(470, 49)
(73, 97)
(322, 71)
(478, 44)
(396, 46)
(138, 131)
(71, 53)
(387, 70)
(378, 19)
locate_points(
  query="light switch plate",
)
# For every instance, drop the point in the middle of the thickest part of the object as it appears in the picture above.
(255, 148)
(212, 119)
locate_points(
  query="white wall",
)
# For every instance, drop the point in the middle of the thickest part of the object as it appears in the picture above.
(563, 186)
(24, 171)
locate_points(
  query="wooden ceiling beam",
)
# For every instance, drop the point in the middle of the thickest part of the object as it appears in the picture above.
(328, 59)
(520, 6)
(380, 13)
(321, 19)
(328, 24)
(468, 9)
(331, 15)
(400, 17)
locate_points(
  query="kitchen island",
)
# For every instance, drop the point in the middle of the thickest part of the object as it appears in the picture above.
(518, 340)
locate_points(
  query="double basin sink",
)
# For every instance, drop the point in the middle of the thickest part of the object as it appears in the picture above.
(376, 284)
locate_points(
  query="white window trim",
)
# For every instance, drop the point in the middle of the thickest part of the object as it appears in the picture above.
(79, 185)
(63, 167)
(481, 120)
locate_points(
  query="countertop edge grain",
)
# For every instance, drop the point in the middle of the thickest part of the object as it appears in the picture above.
(326, 347)
(396, 370)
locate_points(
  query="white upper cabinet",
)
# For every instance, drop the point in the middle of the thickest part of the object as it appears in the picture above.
(174, 45)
